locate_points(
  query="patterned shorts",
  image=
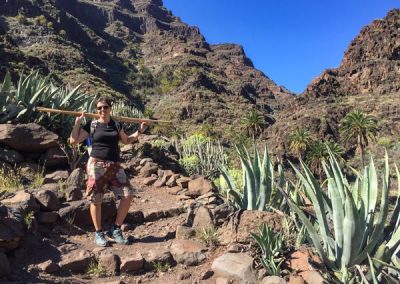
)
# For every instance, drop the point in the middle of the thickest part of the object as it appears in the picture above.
(102, 174)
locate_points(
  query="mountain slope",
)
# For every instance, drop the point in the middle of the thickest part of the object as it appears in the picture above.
(140, 51)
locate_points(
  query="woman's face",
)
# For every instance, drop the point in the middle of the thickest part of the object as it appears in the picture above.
(103, 109)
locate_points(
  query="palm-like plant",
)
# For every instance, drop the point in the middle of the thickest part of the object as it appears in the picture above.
(253, 122)
(319, 152)
(360, 127)
(300, 140)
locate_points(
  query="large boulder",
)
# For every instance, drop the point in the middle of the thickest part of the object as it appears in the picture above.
(199, 186)
(29, 137)
(188, 252)
(22, 200)
(10, 156)
(4, 265)
(249, 221)
(54, 157)
(76, 261)
(48, 200)
(77, 212)
(11, 233)
(235, 265)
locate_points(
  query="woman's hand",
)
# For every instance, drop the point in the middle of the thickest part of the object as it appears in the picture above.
(143, 127)
(78, 120)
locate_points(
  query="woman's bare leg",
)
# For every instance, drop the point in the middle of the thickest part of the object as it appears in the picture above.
(123, 209)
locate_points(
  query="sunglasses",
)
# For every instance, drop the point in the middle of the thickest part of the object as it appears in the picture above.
(102, 107)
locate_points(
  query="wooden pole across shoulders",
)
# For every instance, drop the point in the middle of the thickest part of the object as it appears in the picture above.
(95, 115)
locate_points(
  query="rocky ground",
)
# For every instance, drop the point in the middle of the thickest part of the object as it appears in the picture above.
(181, 228)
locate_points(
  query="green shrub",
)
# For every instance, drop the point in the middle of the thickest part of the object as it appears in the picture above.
(50, 25)
(62, 33)
(208, 235)
(236, 176)
(198, 155)
(385, 142)
(10, 181)
(21, 19)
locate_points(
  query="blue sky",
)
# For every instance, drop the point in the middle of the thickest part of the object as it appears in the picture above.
(291, 41)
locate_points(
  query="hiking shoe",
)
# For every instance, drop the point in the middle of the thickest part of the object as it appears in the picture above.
(100, 239)
(116, 234)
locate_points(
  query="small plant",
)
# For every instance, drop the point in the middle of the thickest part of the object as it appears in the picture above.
(97, 269)
(10, 180)
(208, 235)
(50, 25)
(161, 266)
(21, 19)
(161, 144)
(74, 154)
(270, 245)
(38, 178)
(28, 219)
(62, 33)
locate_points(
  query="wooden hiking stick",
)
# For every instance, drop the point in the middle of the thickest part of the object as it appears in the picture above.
(95, 115)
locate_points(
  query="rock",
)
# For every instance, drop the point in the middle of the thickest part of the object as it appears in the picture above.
(10, 156)
(273, 280)
(174, 190)
(184, 232)
(149, 180)
(132, 263)
(221, 212)
(47, 217)
(11, 233)
(4, 265)
(77, 212)
(76, 261)
(160, 255)
(249, 221)
(235, 248)
(148, 169)
(47, 200)
(236, 265)
(182, 197)
(202, 219)
(160, 182)
(49, 267)
(29, 171)
(183, 182)
(56, 176)
(313, 277)
(173, 211)
(206, 274)
(183, 275)
(294, 279)
(145, 160)
(73, 193)
(23, 200)
(76, 179)
(135, 217)
(199, 186)
(172, 180)
(187, 252)
(54, 157)
(30, 137)
(111, 263)
(221, 280)
(153, 215)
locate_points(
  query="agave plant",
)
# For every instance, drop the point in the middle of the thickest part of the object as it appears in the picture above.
(19, 103)
(348, 225)
(270, 245)
(259, 187)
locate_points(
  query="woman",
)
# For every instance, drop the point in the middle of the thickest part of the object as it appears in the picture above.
(104, 168)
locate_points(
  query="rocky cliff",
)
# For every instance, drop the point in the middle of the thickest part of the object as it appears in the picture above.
(367, 79)
(140, 51)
